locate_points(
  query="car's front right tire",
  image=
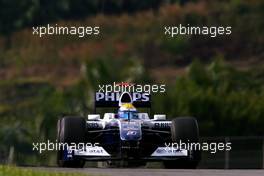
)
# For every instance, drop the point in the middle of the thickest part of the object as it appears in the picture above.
(70, 130)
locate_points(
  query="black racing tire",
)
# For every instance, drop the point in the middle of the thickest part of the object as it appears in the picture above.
(70, 129)
(186, 130)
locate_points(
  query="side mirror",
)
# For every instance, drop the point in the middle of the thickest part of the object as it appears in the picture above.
(143, 116)
(159, 117)
(109, 116)
(94, 117)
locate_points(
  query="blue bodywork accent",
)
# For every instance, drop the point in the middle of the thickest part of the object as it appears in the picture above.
(67, 155)
(130, 130)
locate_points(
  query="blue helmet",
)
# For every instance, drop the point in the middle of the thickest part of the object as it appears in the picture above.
(127, 111)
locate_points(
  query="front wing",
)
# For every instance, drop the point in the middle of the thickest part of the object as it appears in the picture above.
(100, 154)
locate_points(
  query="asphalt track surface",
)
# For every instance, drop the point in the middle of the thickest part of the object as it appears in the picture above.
(155, 172)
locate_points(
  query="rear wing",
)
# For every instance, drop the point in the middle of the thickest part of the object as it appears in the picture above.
(112, 99)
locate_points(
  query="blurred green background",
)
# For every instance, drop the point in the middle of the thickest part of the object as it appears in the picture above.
(218, 80)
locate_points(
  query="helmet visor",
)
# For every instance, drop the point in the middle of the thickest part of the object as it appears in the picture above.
(128, 115)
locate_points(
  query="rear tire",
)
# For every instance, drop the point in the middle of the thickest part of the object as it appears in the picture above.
(185, 129)
(70, 130)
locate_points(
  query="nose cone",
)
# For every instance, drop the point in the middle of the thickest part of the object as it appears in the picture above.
(130, 131)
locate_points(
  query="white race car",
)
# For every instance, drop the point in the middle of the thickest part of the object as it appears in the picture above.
(127, 135)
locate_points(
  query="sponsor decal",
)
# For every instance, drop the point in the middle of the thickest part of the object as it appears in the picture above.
(114, 96)
(161, 125)
(91, 151)
(132, 133)
(165, 151)
(111, 99)
(93, 125)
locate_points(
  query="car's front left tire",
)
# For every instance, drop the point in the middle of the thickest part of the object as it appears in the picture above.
(184, 130)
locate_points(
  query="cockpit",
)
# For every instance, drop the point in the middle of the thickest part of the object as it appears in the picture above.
(128, 115)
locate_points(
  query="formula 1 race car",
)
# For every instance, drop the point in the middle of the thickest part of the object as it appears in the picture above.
(127, 135)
